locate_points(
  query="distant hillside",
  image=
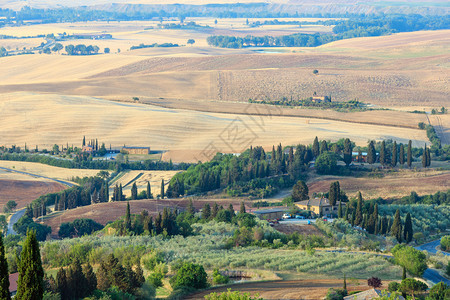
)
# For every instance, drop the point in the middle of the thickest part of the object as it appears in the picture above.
(246, 8)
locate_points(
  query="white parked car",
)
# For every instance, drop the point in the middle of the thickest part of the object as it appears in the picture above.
(286, 216)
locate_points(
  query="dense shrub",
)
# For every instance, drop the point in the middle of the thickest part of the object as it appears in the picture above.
(78, 227)
(190, 275)
(445, 243)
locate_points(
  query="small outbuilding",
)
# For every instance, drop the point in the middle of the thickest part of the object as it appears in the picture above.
(270, 214)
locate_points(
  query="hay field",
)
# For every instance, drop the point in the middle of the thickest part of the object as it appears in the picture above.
(72, 117)
(141, 178)
(391, 186)
(46, 170)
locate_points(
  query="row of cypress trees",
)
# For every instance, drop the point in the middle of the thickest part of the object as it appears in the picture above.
(30, 285)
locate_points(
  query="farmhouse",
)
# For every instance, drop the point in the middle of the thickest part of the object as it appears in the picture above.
(319, 99)
(319, 206)
(136, 150)
(270, 214)
(359, 156)
(87, 149)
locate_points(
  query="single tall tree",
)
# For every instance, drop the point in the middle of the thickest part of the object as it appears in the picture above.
(30, 285)
(358, 213)
(206, 211)
(127, 221)
(323, 146)
(394, 154)
(134, 191)
(409, 154)
(242, 209)
(190, 208)
(408, 229)
(4, 274)
(371, 154)
(315, 147)
(401, 155)
(396, 229)
(162, 189)
(428, 157)
(424, 157)
(347, 152)
(300, 191)
(334, 193)
(149, 191)
(340, 210)
(383, 159)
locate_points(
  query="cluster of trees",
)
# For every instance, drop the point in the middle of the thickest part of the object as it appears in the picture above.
(86, 161)
(25, 224)
(366, 216)
(188, 25)
(78, 228)
(438, 198)
(445, 243)
(344, 29)
(352, 105)
(163, 45)
(81, 49)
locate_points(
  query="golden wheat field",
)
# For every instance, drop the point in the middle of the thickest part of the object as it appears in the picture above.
(46, 119)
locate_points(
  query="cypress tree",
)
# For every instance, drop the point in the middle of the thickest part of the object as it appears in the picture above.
(335, 193)
(242, 209)
(231, 210)
(371, 154)
(149, 191)
(340, 210)
(127, 221)
(323, 146)
(428, 157)
(206, 212)
(401, 155)
(409, 154)
(353, 217)
(383, 153)
(103, 280)
(315, 147)
(408, 230)
(84, 140)
(106, 191)
(214, 210)
(347, 152)
(394, 154)
(134, 191)
(404, 273)
(4, 274)
(346, 211)
(162, 189)
(345, 283)
(376, 229)
(30, 285)
(76, 281)
(61, 284)
(190, 208)
(424, 157)
(91, 279)
(359, 214)
(396, 228)
(121, 197)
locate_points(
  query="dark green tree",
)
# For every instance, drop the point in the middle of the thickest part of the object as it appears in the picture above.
(62, 285)
(334, 193)
(424, 157)
(162, 189)
(4, 274)
(394, 154)
(315, 147)
(190, 208)
(242, 208)
(439, 291)
(300, 191)
(409, 154)
(215, 210)
(30, 285)
(401, 155)
(371, 154)
(206, 211)
(408, 229)
(91, 279)
(340, 210)
(347, 152)
(134, 191)
(149, 191)
(383, 158)
(190, 276)
(326, 163)
(396, 228)
(323, 146)
(411, 286)
(127, 221)
(76, 281)
(358, 211)
(428, 157)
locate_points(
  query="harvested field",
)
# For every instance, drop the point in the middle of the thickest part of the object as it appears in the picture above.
(300, 228)
(105, 212)
(24, 192)
(289, 289)
(391, 186)
(73, 117)
(141, 178)
(46, 170)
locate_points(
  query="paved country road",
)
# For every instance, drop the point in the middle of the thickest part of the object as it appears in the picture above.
(13, 220)
(18, 214)
(434, 276)
(431, 247)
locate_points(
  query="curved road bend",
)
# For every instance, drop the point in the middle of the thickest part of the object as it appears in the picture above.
(18, 214)
(431, 247)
